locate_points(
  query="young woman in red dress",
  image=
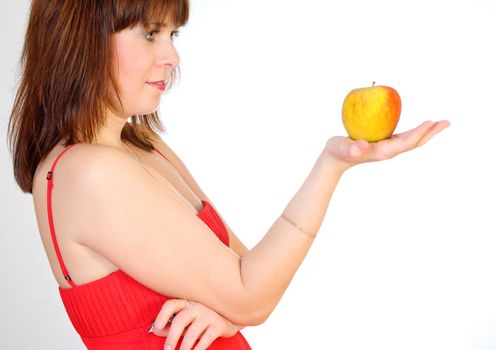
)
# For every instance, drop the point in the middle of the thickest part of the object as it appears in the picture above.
(142, 257)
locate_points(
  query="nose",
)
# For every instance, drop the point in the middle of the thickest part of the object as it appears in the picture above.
(167, 54)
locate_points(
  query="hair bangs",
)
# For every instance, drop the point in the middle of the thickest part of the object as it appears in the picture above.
(129, 13)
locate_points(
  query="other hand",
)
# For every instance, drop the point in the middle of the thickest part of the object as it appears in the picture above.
(194, 322)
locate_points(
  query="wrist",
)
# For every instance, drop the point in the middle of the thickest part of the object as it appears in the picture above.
(336, 166)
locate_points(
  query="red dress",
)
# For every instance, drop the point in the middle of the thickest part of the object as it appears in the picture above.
(116, 311)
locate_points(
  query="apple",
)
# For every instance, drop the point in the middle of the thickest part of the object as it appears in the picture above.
(371, 113)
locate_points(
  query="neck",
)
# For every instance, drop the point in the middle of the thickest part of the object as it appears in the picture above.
(110, 134)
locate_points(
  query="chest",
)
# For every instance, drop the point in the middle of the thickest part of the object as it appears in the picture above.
(170, 177)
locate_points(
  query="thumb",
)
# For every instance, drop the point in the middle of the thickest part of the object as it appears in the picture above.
(358, 148)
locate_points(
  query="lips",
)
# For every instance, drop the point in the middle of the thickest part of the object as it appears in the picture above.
(159, 84)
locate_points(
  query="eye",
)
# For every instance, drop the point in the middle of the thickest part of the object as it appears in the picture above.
(174, 34)
(149, 35)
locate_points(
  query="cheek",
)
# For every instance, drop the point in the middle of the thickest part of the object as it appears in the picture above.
(132, 68)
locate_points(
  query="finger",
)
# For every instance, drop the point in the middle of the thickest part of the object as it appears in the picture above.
(193, 333)
(422, 128)
(438, 127)
(400, 143)
(170, 307)
(408, 140)
(164, 332)
(208, 338)
(177, 328)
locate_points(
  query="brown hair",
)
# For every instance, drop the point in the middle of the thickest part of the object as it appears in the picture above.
(66, 76)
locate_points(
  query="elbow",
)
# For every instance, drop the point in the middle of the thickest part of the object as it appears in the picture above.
(251, 314)
(252, 306)
(257, 319)
(249, 319)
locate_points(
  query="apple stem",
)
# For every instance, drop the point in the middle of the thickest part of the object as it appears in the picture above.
(373, 83)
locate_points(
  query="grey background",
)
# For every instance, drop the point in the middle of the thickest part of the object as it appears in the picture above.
(32, 316)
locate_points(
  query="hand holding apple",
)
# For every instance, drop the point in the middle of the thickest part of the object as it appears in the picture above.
(371, 113)
(343, 152)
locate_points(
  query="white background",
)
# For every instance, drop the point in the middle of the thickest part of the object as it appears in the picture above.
(405, 258)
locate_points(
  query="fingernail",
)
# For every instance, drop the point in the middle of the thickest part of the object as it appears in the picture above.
(150, 330)
(168, 347)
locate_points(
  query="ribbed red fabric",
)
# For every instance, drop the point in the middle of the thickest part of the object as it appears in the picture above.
(115, 312)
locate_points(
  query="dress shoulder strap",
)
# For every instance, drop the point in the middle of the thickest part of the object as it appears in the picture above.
(162, 154)
(50, 217)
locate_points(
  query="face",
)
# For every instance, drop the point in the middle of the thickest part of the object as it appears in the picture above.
(144, 61)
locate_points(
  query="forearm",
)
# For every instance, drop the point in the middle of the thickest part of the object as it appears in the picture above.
(268, 268)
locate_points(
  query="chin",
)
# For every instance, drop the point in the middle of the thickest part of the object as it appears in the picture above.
(145, 111)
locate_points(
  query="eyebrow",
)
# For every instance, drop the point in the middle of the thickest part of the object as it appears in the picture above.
(161, 24)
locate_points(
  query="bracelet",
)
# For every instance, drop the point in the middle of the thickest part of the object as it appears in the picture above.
(291, 221)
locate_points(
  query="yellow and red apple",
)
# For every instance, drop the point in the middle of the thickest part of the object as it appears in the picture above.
(371, 113)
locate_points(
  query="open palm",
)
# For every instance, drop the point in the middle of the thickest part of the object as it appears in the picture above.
(345, 152)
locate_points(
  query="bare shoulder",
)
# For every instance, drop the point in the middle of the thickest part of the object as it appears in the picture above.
(88, 158)
(76, 157)
(90, 162)
(95, 171)
(78, 170)
(102, 182)
(70, 163)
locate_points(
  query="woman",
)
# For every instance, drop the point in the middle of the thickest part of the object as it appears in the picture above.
(131, 238)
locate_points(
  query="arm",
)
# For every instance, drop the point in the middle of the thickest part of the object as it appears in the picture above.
(235, 243)
(163, 245)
